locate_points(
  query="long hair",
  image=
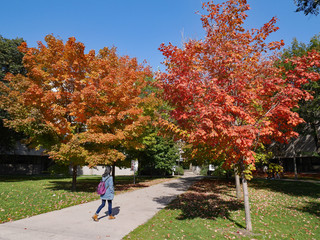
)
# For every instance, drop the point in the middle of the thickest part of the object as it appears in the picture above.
(107, 171)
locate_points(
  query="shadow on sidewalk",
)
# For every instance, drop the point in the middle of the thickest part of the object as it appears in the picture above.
(183, 184)
(164, 200)
(115, 212)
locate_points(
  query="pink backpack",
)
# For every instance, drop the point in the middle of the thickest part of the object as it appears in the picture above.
(101, 189)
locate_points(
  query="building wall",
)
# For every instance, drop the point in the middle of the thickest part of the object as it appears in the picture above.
(99, 170)
(23, 164)
(304, 164)
(35, 165)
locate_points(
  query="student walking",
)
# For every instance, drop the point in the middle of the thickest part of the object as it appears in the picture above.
(108, 195)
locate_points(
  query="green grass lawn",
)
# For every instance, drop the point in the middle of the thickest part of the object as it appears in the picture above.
(22, 196)
(209, 210)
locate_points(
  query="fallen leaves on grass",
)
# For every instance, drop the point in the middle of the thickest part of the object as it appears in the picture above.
(279, 210)
(206, 199)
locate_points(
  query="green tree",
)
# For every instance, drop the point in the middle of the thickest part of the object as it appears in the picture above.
(10, 62)
(159, 154)
(309, 110)
(160, 151)
(308, 6)
(10, 57)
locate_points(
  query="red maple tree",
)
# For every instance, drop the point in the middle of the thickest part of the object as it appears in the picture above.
(227, 92)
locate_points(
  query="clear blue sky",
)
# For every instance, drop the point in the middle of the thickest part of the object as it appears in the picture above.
(138, 27)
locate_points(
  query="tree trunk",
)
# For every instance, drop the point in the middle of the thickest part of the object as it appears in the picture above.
(246, 203)
(295, 162)
(238, 187)
(315, 128)
(295, 168)
(74, 177)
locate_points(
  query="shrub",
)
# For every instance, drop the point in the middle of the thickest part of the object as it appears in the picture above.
(204, 170)
(179, 171)
(59, 169)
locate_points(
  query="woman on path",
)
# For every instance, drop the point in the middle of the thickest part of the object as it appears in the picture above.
(109, 194)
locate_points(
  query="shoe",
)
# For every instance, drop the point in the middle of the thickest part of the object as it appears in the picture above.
(111, 217)
(95, 218)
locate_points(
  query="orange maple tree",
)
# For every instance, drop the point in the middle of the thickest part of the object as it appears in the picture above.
(227, 92)
(84, 108)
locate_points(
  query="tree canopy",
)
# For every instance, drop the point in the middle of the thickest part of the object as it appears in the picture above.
(159, 155)
(308, 110)
(227, 92)
(308, 6)
(10, 62)
(10, 57)
(82, 107)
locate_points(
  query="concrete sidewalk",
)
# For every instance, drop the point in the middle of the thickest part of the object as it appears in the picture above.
(74, 223)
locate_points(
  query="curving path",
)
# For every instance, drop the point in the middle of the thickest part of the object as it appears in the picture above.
(74, 223)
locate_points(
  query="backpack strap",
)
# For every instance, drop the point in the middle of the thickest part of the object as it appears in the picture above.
(107, 178)
(105, 182)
